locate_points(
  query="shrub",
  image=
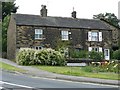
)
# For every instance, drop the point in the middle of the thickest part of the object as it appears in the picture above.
(116, 54)
(98, 56)
(25, 56)
(43, 57)
(50, 57)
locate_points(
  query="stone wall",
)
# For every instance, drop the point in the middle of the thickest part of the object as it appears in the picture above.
(77, 37)
(115, 34)
(106, 39)
(25, 36)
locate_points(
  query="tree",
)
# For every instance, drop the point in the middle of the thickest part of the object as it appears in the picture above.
(116, 54)
(7, 8)
(4, 33)
(109, 17)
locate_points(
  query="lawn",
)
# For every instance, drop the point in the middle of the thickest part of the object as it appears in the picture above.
(79, 71)
(10, 67)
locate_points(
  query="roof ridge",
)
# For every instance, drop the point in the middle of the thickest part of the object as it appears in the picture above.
(29, 19)
(58, 17)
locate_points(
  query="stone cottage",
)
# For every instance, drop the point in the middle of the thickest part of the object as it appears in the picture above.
(41, 31)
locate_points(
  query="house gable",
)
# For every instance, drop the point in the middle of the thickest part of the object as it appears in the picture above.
(11, 39)
(115, 33)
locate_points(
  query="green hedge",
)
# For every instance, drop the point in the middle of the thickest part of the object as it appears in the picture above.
(97, 56)
(48, 56)
(116, 54)
(78, 54)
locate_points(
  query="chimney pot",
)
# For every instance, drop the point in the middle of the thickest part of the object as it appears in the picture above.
(74, 14)
(43, 11)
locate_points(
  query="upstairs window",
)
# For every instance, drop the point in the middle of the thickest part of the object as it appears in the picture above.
(94, 36)
(64, 35)
(38, 33)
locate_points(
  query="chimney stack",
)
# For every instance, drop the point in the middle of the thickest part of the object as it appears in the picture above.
(43, 11)
(74, 14)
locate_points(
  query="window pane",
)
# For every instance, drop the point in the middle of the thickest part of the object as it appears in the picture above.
(40, 48)
(37, 48)
(64, 35)
(94, 33)
(95, 49)
(39, 35)
(36, 35)
(38, 31)
(94, 36)
(64, 32)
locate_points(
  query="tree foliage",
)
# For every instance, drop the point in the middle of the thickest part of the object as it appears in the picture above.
(7, 8)
(116, 54)
(109, 17)
(4, 33)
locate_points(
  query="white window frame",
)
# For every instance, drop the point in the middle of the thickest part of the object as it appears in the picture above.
(100, 36)
(89, 36)
(93, 37)
(97, 49)
(100, 49)
(107, 54)
(89, 49)
(65, 35)
(39, 47)
(39, 33)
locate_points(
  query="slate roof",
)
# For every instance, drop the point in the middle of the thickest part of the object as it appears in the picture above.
(37, 20)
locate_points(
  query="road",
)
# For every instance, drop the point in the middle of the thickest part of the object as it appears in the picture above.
(20, 81)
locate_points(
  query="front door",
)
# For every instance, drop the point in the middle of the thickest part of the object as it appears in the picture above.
(107, 54)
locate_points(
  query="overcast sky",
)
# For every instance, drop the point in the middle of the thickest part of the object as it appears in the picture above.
(63, 8)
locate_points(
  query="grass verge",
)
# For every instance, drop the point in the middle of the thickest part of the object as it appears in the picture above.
(79, 71)
(8, 67)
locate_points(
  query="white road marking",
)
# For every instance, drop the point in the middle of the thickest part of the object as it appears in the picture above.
(15, 84)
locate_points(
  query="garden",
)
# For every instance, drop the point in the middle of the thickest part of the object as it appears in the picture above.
(54, 61)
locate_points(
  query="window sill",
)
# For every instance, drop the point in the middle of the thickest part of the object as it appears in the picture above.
(94, 41)
(65, 40)
(38, 38)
